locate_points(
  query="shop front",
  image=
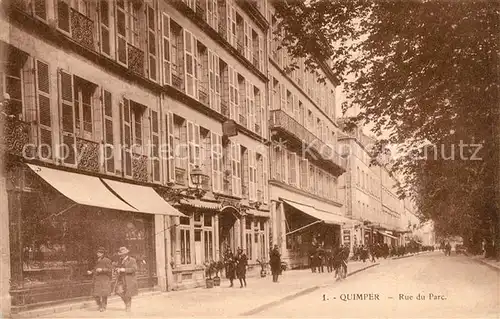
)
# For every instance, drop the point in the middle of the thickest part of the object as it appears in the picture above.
(57, 220)
(309, 229)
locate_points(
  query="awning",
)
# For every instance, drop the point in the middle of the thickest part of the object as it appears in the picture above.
(201, 204)
(80, 188)
(321, 215)
(143, 198)
(258, 213)
(387, 235)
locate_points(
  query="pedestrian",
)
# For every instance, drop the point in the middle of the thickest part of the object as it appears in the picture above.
(126, 284)
(229, 262)
(321, 259)
(372, 253)
(241, 266)
(101, 272)
(275, 262)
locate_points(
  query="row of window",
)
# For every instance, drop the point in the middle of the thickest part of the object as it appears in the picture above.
(374, 214)
(320, 93)
(292, 169)
(197, 241)
(234, 169)
(175, 58)
(367, 182)
(283, 99)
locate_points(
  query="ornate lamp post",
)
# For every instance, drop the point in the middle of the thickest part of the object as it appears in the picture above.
(197, 178)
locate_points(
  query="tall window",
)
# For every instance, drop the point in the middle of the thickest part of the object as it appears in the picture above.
(83, 92)
(185, 233)
(208, 237)
(137, 112)
(248, 237)
(11, 83)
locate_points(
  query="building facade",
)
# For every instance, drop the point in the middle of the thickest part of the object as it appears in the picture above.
(370, 192)
(114, 105)
(306, 208)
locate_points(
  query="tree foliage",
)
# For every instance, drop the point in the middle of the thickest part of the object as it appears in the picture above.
(427, 72)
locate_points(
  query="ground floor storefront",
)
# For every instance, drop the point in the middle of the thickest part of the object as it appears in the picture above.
(58, 218)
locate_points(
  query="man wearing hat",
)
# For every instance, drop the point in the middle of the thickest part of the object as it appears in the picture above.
(102, 277)
(126, 286)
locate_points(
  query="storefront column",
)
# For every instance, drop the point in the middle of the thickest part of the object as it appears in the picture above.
(216, 237)
(159, 228)
(274, 223)
(266, 239)
(168, 253)
(282, 219)
(237, 232)
(243, 233)
(177, 255)
(5, 300)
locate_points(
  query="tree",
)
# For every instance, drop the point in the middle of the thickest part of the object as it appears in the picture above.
(427, 72)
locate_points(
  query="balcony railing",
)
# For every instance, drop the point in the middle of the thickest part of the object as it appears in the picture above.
(176, 78)
(222, 29)
(135, 59)
(256, 62)
(243, 120)
(200, 12)
(281, 120)
(82, 29)
(240, 47)
(15, 136)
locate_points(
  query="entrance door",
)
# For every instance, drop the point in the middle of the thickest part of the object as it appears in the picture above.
(227, 232)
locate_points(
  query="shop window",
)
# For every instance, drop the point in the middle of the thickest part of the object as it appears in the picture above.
(248, 241)
(185, 246)
(209, 244)
(59, 244)
(184, 221)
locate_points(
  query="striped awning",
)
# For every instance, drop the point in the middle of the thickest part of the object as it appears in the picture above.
(258, 213)
(200, 204)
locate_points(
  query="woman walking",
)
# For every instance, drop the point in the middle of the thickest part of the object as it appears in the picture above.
(101, 281)
(275, 262)
(241, 267)
(229, 262)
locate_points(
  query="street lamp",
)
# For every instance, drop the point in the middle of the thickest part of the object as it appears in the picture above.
(197, 178)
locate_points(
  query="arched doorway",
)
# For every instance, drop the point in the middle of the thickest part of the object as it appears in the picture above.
(228, 229)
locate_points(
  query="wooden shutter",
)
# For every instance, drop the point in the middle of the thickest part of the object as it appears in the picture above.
(63, 16)
(121, 24)
(258, 112)
(165, 31)
(151, 27)
(216, 144)
(236, 167)
(304, 170)
(67, 111)
(293, 169)
(193, 136)
(217, 83)
(211, 79)
(265, 177)
(252, 165)
(155, 147)
(189, 63)
(109, 153)
(171, 147)
(233, 94)
(245, 176)
(43, 103)
(251, 106)
(296, 108)
(246, 40)
(126, 138)
(261, 53)
(283, 96)
(104, 26)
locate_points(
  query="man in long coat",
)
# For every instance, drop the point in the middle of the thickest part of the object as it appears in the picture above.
(101, 287)
(126, 286)
(275, 262)
(241, 267)
(230, 265)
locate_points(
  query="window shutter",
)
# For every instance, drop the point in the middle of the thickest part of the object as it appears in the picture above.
(67, 111)
(284, 166)
(211, 79)
(296, 113)
(251, 109)
(43, 103)
(171, 147)
(151, 21)
(245, 178)
(189, 63)
(217, 179)
(109, 153)
(121, 33)
(104, 26)
(217, 83)
(263, 121)
(126, 138)
(155, 150)
(283, 96)
(304, 174)
(236, 167)
(293, 169)
(63, 16)
(233, 91)
(258, 111)
(265, 177)
(261, 53)
(165, 27)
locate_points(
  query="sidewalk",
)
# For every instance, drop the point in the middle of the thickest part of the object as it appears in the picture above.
(216, 302)
(492, 263)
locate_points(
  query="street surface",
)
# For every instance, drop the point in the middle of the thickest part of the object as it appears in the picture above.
(460, 288)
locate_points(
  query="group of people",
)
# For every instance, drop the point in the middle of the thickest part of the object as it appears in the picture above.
(125, 284)
(372, 252)
(331, 259)
(236, 266)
